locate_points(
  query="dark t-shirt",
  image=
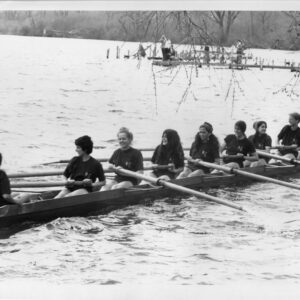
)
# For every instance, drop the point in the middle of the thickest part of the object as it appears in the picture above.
(162, 156)
(235, 146)
(260, 141)
(4, 188)
(289, 137)
(208, 152)
(130, 159)
(79, 170)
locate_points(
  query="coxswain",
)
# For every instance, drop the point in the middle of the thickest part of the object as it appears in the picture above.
(204, 148)
(290, 136)
(126, 157)
(169, 152)
(82, 171)
(261, 140)
(238, 148)
(6, 197)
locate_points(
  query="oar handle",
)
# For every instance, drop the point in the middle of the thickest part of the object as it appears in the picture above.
(278, 157)
(283, 147)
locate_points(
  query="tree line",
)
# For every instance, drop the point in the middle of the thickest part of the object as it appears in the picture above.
(261, 29)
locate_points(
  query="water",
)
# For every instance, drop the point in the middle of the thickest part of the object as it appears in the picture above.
(55, 90)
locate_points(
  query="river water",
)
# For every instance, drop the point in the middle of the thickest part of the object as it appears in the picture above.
(55, 90)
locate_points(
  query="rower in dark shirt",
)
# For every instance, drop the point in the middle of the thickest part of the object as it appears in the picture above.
(169, 152)
(290, 136)
(6, 197)
(238, 146)
(261, 140)
(126, 157)
(82, 171)
(204, 148)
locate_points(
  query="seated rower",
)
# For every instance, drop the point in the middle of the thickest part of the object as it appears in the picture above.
(261, 140)
(169, 152)
(290, 136)
(126, 157)
(238, 146)
(204, 148)
(82, 171)
(6, 197)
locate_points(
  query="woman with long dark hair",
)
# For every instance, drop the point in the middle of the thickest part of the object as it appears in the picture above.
(169, 152)
(261, 141)
(204, 148)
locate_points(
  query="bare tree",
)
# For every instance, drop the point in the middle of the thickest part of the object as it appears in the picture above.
(225, 20)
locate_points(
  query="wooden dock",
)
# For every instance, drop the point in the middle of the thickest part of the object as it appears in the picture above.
(170, 63)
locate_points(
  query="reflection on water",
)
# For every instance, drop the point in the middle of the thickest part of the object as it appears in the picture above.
(55, 90)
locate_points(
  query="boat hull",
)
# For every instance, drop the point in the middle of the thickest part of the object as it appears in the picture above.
(103, 202)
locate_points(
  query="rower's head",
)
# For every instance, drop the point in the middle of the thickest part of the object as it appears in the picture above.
(261, 127)
(205, 130)
(240, 128)
(125, 138)
(294, 119)
(171, 138)
(84, 145)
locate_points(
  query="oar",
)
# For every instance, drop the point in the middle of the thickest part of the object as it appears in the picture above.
(28, 184)
(57, 173)
(283, 147)
(176, 187)
(285, 159)
(246, 174)
(64, 161)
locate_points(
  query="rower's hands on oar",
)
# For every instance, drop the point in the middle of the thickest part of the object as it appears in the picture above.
(70, 183)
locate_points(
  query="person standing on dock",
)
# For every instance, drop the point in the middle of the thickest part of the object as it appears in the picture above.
(239, 52)
(169, 152)
(6, 197)
(290, 136)
(204, 148)
(82, 171)
(165, 48)
(206, 54)
(126, 157)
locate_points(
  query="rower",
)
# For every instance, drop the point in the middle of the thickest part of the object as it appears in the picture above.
(82, 171)
(204, 148)
(240, 147)
(126, 157)
(290, 136)
(6, 197)
(261, 140)
(169, 152)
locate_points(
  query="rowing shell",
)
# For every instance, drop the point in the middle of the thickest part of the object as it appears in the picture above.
(103, 202)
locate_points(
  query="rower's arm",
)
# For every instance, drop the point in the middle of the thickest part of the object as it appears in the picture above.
(98, 184)
(222, 147)
(8, 198)
(253, 157)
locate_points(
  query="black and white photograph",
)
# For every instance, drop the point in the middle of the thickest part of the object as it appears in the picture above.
(149, 151)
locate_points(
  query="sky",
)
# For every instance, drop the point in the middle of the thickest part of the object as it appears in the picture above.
(247, 5)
